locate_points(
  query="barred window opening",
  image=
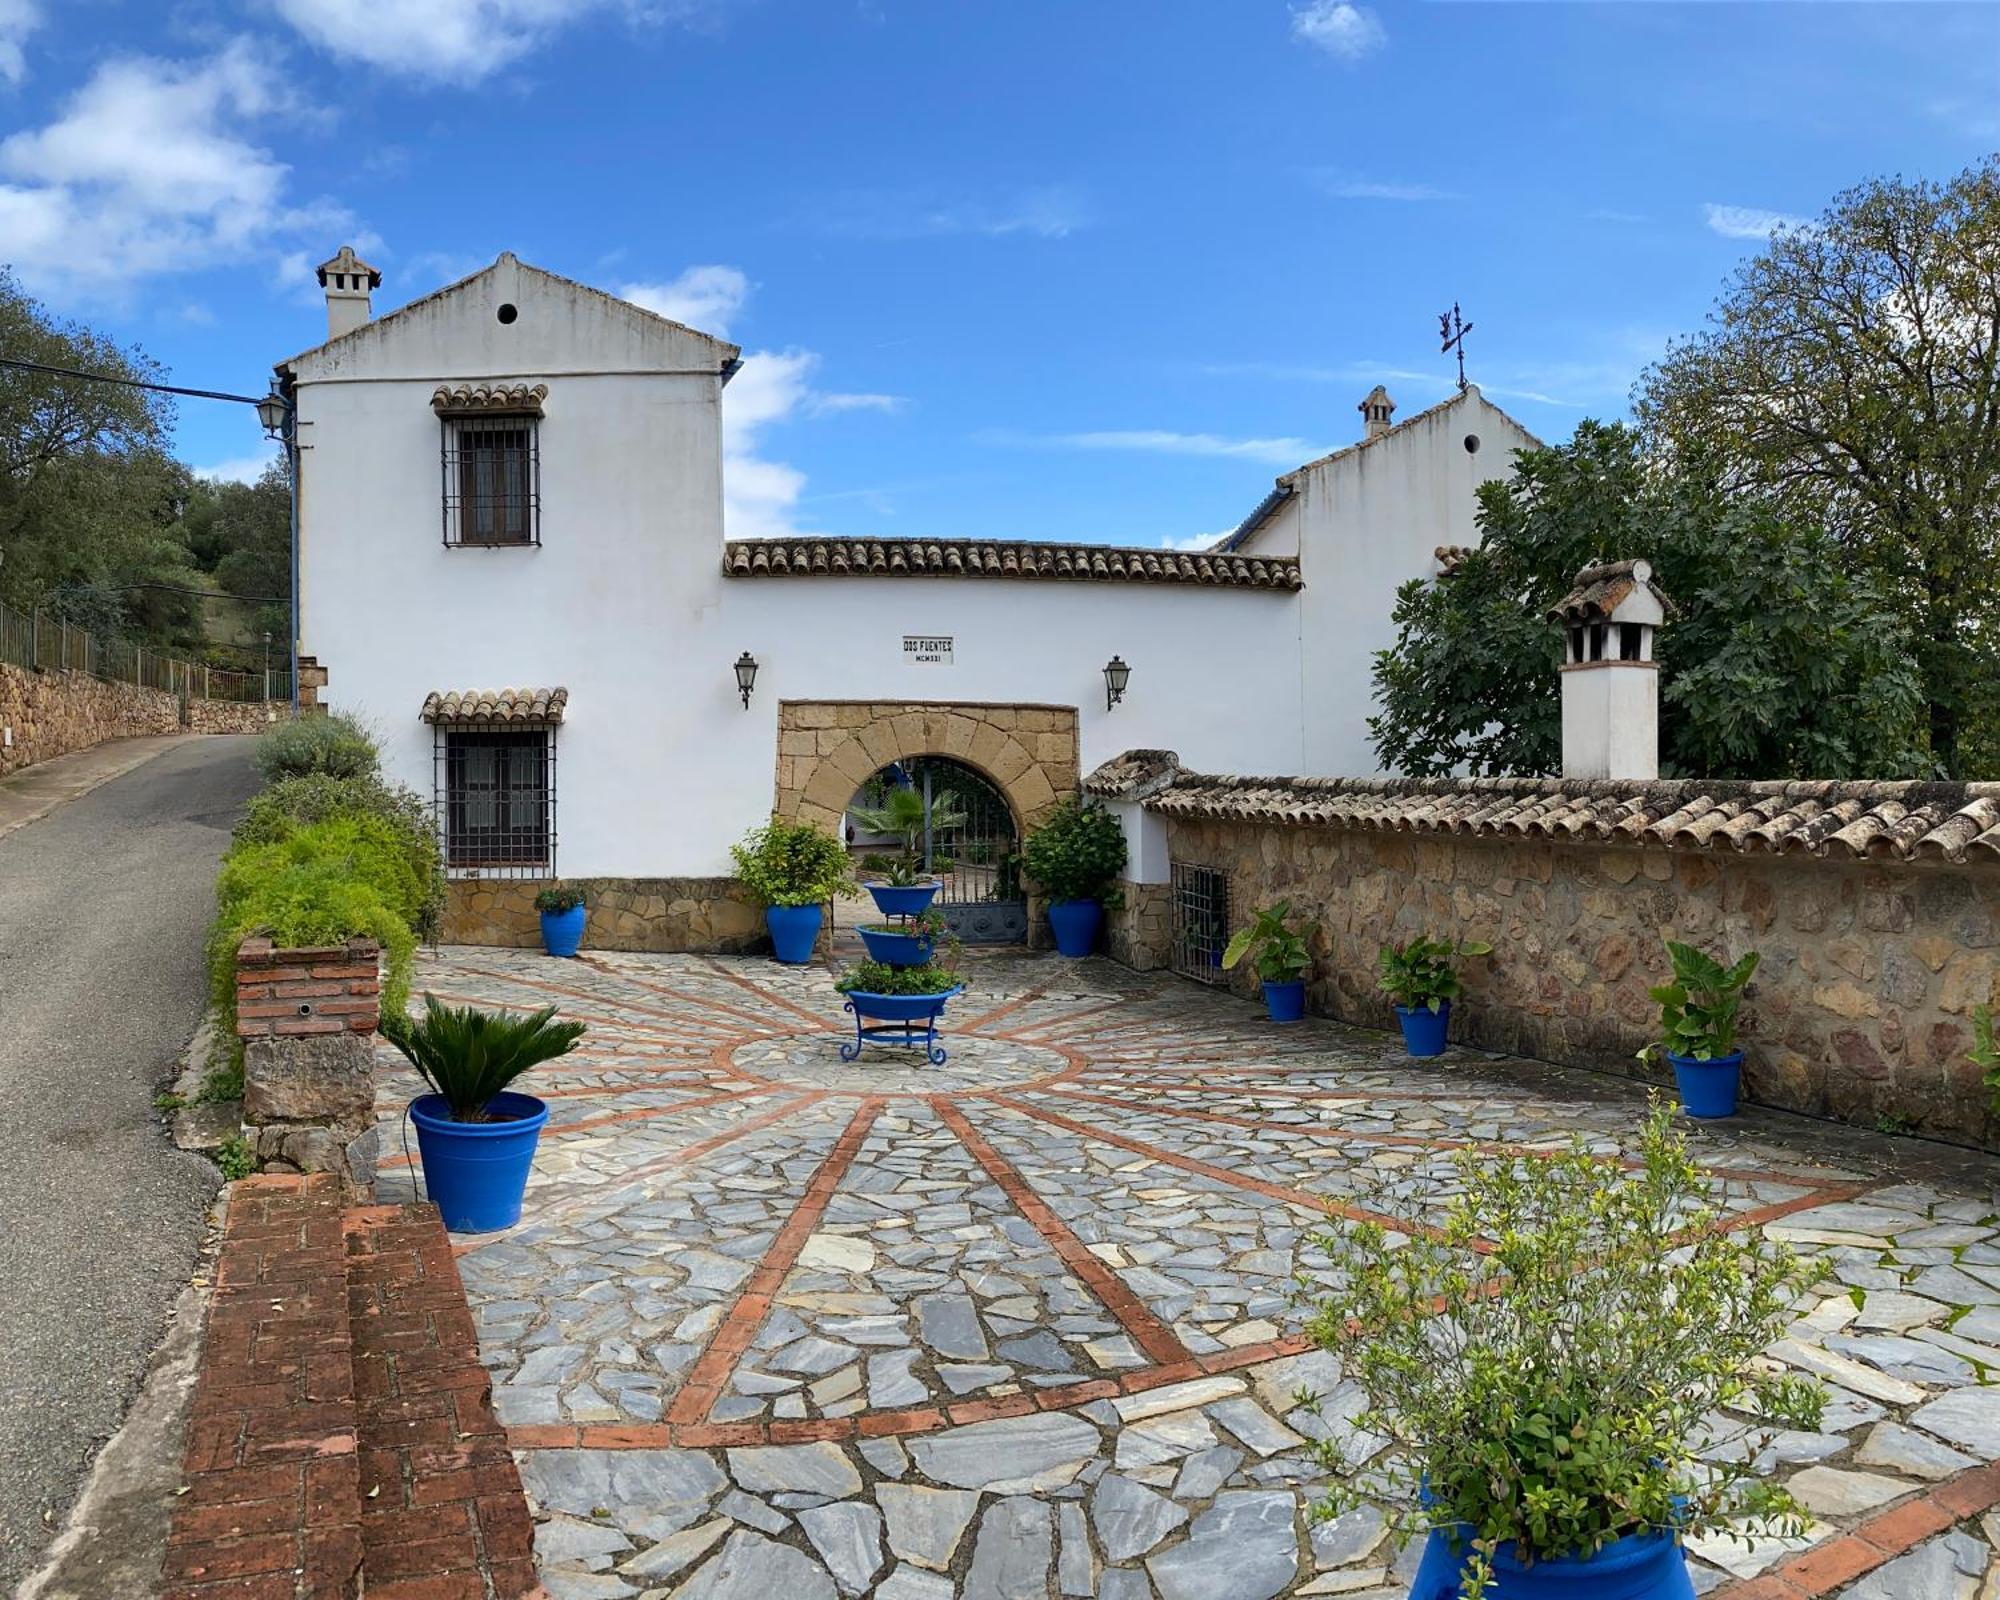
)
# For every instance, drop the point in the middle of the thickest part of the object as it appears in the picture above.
(492, 480)
(1201, 922)
(495, 798)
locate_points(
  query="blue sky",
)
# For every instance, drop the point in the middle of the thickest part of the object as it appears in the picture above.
(1053, 269)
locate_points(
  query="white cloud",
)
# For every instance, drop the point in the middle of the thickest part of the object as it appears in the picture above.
(1367, 189)
(706, 298)
(1195, 541)
(1339, 28)
(148, 170)
(823, 405)
(1048, 211)
(18, 19)
(759, 496)
(1156, 441)
(1748, 222)
(237, 469)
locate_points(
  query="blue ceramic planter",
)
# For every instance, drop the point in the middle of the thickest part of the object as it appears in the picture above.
(1424, 1029)
(476, 1172)
(911, 901)
(794, 932)
(907, 1020)
(562, 931)
(895, 948)
(1708, 1088)
(1641, 1566)
(1285, 1001)
(1075, 924)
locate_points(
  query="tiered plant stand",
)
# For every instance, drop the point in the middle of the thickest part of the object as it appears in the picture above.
(895, 1019)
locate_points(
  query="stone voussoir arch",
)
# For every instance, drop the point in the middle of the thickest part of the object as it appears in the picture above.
(828, 748)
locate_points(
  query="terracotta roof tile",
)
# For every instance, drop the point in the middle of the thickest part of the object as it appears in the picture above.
(1839, 819)
(971, 558)
(529, 706)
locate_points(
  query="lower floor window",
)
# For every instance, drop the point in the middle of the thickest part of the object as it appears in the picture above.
(497, 800)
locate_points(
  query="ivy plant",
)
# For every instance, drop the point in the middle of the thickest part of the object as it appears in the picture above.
(1278, 952)
(1078, 853)
(1559, 1359)
(1698, 1009)
(1421, 973)
(792, 863)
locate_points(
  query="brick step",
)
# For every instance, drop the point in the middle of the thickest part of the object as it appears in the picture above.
(342, 1441)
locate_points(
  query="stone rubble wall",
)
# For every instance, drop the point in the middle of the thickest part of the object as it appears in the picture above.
(53, 713)
(1861, 1008)
(1139, 932)
(658, 914)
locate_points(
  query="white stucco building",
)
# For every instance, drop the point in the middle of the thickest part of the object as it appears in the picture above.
(516, 483)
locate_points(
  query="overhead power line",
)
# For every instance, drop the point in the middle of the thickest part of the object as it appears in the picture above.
(19, 365)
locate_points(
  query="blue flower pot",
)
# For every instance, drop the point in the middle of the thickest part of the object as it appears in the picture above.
(912, 901)
(1708, 1088)
(1641, 1566)
(794, 932)
(476, 1172)
(1424, 1029)
(1285, 1001)
(895, 948)
(899, 1007)
(562, 931)
(1075, 924)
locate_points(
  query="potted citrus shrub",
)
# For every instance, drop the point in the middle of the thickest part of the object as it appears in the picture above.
(1420, 976)
(890, 1004)
(1555, 1365)
(1281, 958)
(1076, 856)
(794, 868)
(562, 909)
(475, 1136)
(1698, 1028)
(904, 888)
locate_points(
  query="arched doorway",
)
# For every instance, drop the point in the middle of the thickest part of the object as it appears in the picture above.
(962, 830)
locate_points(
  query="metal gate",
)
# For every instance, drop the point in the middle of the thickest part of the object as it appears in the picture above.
(971, 843)
(1201, 922)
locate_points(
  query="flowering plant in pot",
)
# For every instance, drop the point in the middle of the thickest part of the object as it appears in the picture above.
(908, 941)
(1420, 976)
(905, 888)
(794, 868)
(563, 914)
(1557, 1362)
(475, 1136)
(1698, 1028)
(1281, 958)
(1076, 856)
(891, 1003)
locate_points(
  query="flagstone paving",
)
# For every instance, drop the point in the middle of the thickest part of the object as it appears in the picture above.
(1023, 1324)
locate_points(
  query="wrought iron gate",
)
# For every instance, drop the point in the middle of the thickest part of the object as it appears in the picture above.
(974, 847)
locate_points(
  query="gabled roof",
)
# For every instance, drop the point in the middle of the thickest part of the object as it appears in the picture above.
(726, 353)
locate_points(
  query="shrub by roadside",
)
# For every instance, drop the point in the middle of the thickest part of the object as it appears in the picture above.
(334, 746)
(281, 810)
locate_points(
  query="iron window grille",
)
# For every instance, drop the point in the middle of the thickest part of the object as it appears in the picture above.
(1201, 922)
(496, 800)
(492, 479)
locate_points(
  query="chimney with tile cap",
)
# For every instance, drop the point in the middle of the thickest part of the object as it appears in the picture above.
(1376, 411)
(1610, 679)
(347, 279)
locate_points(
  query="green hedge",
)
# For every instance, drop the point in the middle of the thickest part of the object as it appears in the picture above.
(334, 746)
(292, 803)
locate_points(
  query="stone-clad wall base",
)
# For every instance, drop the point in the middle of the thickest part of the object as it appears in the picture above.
(660, 914)
(1140, 932)
(1862, 1006)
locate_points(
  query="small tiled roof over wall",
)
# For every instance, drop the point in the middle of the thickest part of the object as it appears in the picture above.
(1877, 820)
(971, 558)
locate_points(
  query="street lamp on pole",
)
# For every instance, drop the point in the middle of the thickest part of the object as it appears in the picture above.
(280, 418)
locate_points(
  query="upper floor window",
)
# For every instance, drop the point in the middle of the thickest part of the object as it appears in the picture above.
(492, 464)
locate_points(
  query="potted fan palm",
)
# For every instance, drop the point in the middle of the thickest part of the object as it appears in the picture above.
(1076, 856)
(905, 888)
(1698, 1028)
(794, 868)
(1281, 959)
(563, 914)
(1559, 1403)
(1420, 976)
(475, 1136)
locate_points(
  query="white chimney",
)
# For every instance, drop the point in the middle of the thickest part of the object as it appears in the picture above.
(1376, 411)
(1610, 680)
(347, 280)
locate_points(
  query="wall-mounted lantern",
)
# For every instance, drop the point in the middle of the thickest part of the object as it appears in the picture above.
(274, 412)
(746, 676)
(1116, 676)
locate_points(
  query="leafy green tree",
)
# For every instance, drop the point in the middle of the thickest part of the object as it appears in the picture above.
(242, 533)
(1850, 378)
(1779, 664)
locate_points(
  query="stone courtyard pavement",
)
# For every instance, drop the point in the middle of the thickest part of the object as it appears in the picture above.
(780, 1328)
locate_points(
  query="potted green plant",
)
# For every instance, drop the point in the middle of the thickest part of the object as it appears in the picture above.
(1698, 1028)
(906, 887)
(794, 868)
(1076, 856)
(908, 941)
(563, 914)
(1549, 1363)
(891, 1003)
(1281, 958)
(1420, 975)
(476, 1137)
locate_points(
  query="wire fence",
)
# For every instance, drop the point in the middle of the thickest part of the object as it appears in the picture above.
(37, 640)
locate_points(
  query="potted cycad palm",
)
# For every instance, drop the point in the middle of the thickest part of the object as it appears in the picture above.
(1698, 1028)
(794, 868)
(475, 1136)
(1281, 959)
(1076, 856)
(1420, 975)
(1556, 1364)
(562, 910)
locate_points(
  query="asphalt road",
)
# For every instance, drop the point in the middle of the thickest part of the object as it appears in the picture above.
(103, 907)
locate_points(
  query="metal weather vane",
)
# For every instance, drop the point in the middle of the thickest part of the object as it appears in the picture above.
(1452, 329)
